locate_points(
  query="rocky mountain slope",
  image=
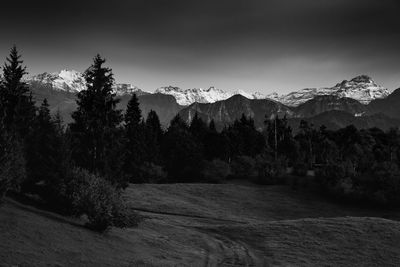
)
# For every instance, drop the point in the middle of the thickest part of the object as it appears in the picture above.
(361, 88)
(323, 103)
(73, 81)
(336, 119)
(186, 97)
(389, 105)
(226, 111)
(64, 101)
(350, 97)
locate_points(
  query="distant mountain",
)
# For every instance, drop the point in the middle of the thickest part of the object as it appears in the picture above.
(389, 106)
(73, 81)
(361, 88)
(165, 106)
(65, 80)
(64, 101)
(336, 119)
(226, 111)
(186, 97)
(335, 107)
(323, 103)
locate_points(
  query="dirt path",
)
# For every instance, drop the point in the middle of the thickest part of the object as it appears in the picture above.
(219, 250)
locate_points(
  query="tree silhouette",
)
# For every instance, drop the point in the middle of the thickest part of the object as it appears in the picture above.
(95, 129)
(135, 140)
(17, 106)
(153, 137)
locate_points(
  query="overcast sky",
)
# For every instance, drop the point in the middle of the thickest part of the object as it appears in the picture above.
(254, 45)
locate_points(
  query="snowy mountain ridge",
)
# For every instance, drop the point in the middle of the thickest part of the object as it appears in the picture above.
(73, 81)
(361, 88)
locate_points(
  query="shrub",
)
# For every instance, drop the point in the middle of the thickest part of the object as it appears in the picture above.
(300, 169)
(99, 201)
(12, 165)
(270, 171)
(244, 167)
(330, 175)
(215, 171)
(152, 173)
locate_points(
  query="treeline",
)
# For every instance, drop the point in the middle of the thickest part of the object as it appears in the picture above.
(83, 168)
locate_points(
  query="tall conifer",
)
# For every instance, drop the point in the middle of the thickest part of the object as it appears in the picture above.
(95, 130)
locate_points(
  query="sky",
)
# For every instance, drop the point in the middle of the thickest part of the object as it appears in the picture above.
(253, 45)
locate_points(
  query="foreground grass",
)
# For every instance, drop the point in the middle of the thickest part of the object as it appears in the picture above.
(207, 225)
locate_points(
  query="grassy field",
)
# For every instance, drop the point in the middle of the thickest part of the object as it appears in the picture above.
(208, 225)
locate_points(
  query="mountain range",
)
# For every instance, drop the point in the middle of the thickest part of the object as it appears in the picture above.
(359, 101)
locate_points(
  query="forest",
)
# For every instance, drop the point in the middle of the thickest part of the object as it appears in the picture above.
(83, 167)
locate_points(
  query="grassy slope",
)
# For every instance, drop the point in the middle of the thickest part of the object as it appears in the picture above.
(212, 225)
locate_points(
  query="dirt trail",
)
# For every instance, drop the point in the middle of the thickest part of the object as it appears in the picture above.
(219, 250)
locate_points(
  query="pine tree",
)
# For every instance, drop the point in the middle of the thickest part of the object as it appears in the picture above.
(182, 153)
(12, 162)
(178, 122)
(41, 144)
(18, 109)
(135, 140)
(133, 115)
(17, 113)
(95, 130)
(211, 126)
(198, 128)
(153, 138)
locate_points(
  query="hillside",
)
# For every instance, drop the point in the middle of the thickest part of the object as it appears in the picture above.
(361, 88)
(226, 111)
(336, 119)
(389, 106)
(224, 107)
(207, 225)
(65, 102)
(321, 104)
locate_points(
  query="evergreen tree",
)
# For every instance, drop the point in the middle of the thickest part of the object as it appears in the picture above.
(17, 113)
(178, 122)
(183, 155)
(48, 157)
(18, 108)
(211, 126)
(280, 139)
(12, 162)
(198, 128)
(153, 138)
(95, 130)
(135, 140)
(244, 139)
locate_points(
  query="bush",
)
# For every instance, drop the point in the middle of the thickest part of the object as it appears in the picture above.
(300, 169)
(12, 165)
(215, 171)
(102, 203)
(270, 171)
(330, 175)
(244, 167)
(152, 173)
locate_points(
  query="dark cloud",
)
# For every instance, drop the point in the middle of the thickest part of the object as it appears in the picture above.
(211, 41)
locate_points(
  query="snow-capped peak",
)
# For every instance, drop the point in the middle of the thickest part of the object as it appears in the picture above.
(65, 80)
(188, 96)
(73, 81)
(361, 88)
(127, 89)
